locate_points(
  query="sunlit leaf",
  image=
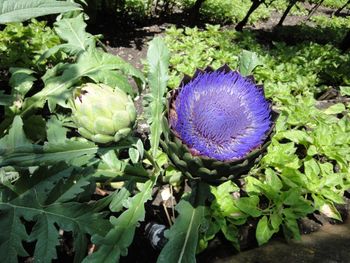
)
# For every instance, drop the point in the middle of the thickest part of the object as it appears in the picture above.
(20, 10)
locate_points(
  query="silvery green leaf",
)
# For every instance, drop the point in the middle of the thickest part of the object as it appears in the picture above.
(21, 10)
(158, 61)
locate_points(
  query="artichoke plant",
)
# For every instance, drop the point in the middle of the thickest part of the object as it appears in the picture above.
(218, 124)
(103, 114)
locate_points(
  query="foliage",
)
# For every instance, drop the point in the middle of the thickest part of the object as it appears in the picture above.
(334, 3)
(48, 173)
(158, 61)
(51, 178)
(339, 25)
(183, 235)
(306, 166)
(21, 45)
(21, 10)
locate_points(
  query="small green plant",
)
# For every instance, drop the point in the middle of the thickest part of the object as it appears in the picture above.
(91, 177)
(309, 149)
(21, 45)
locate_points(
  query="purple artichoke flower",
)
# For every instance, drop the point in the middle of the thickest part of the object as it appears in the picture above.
(220, 115)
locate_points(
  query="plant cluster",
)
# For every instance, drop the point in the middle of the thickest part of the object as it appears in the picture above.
(21, 46)
(306, 167)
(73, 165)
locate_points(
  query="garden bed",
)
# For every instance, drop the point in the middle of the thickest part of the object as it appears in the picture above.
(97, 196)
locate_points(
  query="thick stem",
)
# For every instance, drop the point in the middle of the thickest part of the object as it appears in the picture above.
(313, 10)
(289, 7)
(194, 11)
(337, 12)
(253, 7)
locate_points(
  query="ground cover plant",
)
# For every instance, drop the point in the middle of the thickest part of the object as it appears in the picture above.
(89, 143)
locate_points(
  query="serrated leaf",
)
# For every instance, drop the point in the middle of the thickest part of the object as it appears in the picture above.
(75, 217)
(120, 196)
(20, 10)
(92, 64)
(119, 238)
(67, 189)
(16, 149)
(56, 133)
(41, 181)
(248, 61)
(69, 151)
(46, 234)
(15, 139)
(12, 234)
(158, 61)
(71, 30)
(183, 235)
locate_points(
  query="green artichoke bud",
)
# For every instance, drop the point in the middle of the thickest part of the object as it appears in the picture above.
(103, 114)
(218, 125)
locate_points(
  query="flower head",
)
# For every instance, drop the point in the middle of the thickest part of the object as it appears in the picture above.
(220, 115)
(103, 114)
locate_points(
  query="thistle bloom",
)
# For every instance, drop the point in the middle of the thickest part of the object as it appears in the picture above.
(220, 115)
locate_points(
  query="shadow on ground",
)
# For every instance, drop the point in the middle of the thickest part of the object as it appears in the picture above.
(328, 245)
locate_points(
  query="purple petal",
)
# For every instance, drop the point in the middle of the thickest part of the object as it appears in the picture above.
(221, 115)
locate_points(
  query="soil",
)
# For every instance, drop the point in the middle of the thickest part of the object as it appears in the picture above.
(130, 43)
(128, 39)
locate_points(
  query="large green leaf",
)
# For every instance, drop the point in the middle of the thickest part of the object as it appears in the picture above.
(56, 133)
(20, 10)
(27, 201)
(94, 64)
(70, 217)
(158, 61)
(46, 234)
(119, 238)
(17, 150)
(183, 235)
(111, 168)
(72, 31)
(15, 139)
(68, 189)
(12, 234)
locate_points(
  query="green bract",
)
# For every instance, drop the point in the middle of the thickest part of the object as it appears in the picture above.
(103, 114)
